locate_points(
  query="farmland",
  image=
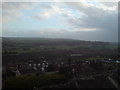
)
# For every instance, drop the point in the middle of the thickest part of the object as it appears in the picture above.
(35, 48)
(76, 60)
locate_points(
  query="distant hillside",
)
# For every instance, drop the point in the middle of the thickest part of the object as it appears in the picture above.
(50, 41)
(47, 44)
(23, 49)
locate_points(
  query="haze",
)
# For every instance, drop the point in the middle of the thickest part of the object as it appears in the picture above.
(94, 21)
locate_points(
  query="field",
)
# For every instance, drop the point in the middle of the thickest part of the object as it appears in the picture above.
(34, 48)
(73, 59)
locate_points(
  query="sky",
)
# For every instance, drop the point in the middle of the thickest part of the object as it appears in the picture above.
(90, 21)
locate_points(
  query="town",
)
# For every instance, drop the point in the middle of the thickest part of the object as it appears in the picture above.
(64, 68)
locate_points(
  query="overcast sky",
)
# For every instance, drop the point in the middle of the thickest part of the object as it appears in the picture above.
(96, 21)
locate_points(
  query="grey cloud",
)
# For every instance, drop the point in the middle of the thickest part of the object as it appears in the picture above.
(17, 5)
(110, 4)
(98, 36)
(37, 17)
(11, 10)
(104, 20)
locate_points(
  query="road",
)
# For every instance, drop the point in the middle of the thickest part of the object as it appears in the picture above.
(114, 83)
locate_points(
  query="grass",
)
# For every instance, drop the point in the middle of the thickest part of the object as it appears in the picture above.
(34, 81)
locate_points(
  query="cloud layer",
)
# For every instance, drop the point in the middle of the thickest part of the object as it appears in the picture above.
(78, 20)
